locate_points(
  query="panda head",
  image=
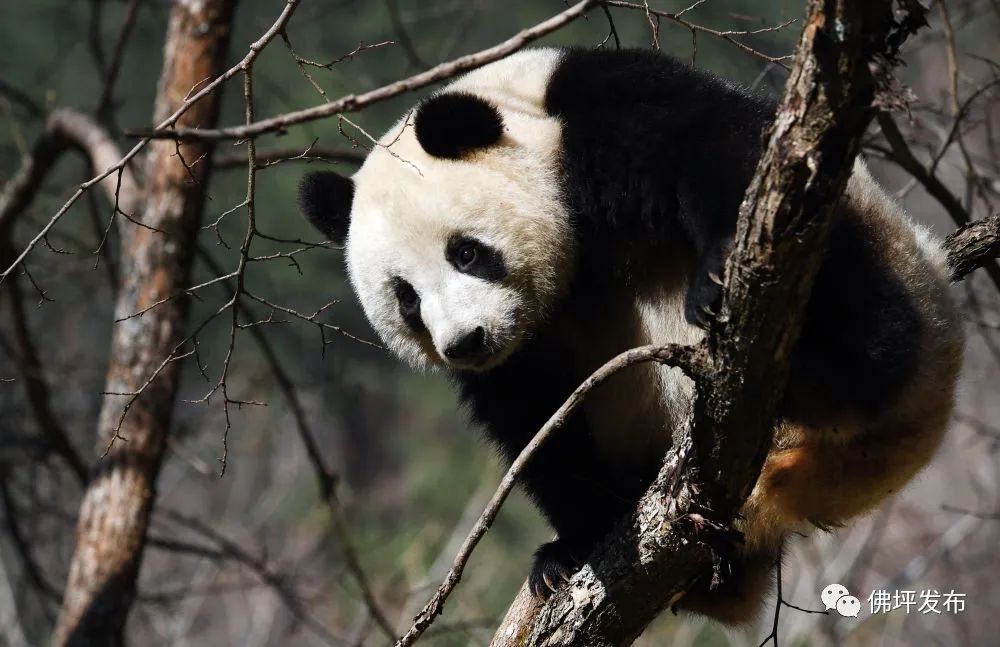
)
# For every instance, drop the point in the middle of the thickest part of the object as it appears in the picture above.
(456, 238)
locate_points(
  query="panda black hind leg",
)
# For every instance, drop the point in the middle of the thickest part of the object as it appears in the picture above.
(873, 374)
(868, 398)
(733, 593)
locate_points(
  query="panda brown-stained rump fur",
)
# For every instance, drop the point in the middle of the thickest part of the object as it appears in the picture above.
(548, 211)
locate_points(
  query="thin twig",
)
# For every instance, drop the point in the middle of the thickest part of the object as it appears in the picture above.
(355, 102)
(19, 98)
(326, 480)
(275, 156)
(120, 166)
(901, 154)
(104, 109)
(726, 35)
(261, 568)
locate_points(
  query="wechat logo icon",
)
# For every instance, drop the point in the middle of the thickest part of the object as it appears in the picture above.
(836, 596)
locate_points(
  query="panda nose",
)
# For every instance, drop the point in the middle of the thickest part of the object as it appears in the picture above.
(467, 346)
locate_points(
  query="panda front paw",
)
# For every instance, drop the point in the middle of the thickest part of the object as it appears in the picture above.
(704, 296)
(554, 565)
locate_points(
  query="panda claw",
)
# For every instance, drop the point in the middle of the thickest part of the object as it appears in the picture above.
(715, 278)
(553, 567)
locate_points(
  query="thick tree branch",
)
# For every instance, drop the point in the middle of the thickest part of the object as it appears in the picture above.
(975, 245)
(66, 128)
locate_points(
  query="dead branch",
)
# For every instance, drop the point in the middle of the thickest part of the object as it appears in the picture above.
(262, 569)
(22, 546)
(36, 387)
(21, 99)
(326, 479)
(403, 36)
(901, 154)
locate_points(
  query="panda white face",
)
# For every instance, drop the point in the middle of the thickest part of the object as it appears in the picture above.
(454, 261)
(457, 239)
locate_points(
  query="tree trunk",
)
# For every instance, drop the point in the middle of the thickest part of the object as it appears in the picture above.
(156, 262)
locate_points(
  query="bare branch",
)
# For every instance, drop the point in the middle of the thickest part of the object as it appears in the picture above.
(110, 73)
(274, 156)
(901, 154)
(353, 103)
(261, 568)
(67, 127)
(19, 98)
(22, 545)
(36, 387)
(191, 99)
(402, 36)
(727, 35)
(326, 480)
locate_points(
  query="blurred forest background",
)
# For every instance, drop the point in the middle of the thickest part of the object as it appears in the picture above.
(255, 557)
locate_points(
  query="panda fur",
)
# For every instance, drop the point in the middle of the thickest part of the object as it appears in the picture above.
(598, 191)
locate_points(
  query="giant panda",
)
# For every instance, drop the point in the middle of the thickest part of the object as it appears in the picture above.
(548, 211)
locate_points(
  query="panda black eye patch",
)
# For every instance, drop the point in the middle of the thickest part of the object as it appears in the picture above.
(409, 303)
(475, 258)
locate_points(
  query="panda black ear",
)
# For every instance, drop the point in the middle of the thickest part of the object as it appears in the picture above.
(325, 198)
(452, 124)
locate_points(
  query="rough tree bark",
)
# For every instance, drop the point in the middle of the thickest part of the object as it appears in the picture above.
(648, 563)
(973, 246)
(155, 262)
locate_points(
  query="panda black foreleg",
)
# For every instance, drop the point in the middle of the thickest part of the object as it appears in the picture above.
(583, 507)
(583, 500)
